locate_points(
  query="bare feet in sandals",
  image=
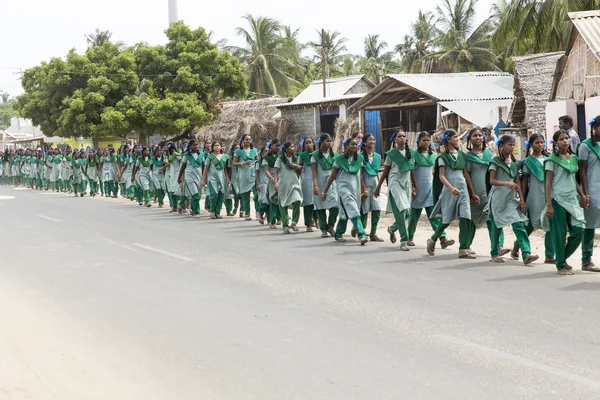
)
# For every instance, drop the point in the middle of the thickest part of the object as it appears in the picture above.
(565, 271)
(590, 267)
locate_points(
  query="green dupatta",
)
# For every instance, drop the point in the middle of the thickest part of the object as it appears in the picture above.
(325, 163)
(305, 157)
(145, 163)
(485, 159)
(595, 148)
(423, 160)
(459, 164)
(352, 166)
(402, 162)
(372, 167)
(196, 163)
(535, 167)
(512, 170)
(241, 154)
(271, 159)
(218, 164)
(571, 165)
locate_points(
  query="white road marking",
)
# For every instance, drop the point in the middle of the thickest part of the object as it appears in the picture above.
(49, 218)
(7, 197)
(165, 253)
(521, 360)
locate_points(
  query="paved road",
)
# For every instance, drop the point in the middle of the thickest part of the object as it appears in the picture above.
(103, 299)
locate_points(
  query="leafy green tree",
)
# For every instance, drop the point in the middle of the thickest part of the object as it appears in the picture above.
(419, 43)
(270, 62)
(377, 62)
(335, 51)
(99, 38)
(464, 46)
(4, 96)
(168, 90)
(535, 26)
(7, 111)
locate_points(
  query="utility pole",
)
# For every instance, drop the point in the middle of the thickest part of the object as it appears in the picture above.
(324, 61)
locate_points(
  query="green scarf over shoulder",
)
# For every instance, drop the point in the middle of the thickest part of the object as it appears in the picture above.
(459, 163)
(402, 162)
(512, 169)
(352, 165)
(271, 159)
(241, 154)
(536, 168)
(218, 164)
(571, 165)
(372, 167)
(305, 157)
(195, 162)
(485, 159)
(595, 148)
(423, 160)
(325, 163)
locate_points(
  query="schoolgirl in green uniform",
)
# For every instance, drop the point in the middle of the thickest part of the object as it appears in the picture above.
(370, 178)
(83, 163)
(261, 185)
(2, 163)
(346, 172)
(322, 167)
(111, 172)
(57, 159)
(190, 176)
(142, 172)
(506, 203)
(307, 146)
(77, 174)
(206, 149)
(287, 183)
(232, 199)
(66, 174)
(216, 178)
(244, 160)
(589, 172)
(565, 201)
(451, 191)
(398, 171)
(91, 171)
(478, 161)
(100, 156)
(424, 157)
(533, 187)
(268, 166)
(157, 168)
(171, 174)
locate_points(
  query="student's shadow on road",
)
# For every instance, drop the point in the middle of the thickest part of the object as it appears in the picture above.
(526, 277)
(592, 286)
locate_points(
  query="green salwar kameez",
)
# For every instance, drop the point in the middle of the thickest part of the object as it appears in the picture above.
(289, 191)
(568, 216)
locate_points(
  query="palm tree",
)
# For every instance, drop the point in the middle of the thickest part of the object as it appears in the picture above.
(535, 26)
(376, 58)
(99, 38)
(335, 50)
(4, 96)
(464, 47)
(420, 43)
(268, 60)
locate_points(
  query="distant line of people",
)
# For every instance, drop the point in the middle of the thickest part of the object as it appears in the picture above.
(474, 188)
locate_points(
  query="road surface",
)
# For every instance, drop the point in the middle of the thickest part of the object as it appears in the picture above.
(103, 299)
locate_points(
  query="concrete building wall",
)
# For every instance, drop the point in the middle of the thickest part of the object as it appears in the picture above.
(307, 122)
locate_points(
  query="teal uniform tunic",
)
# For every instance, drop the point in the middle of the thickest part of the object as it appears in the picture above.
(290, 190)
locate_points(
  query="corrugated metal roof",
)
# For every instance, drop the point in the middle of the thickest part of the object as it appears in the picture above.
(336, 90)
(588, 25)
(461, 86)
(478, 112)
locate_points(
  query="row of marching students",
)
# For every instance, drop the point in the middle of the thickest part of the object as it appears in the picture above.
(542, 192)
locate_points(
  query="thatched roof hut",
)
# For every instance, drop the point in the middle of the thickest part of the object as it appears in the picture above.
(259, 118)
(534, 75)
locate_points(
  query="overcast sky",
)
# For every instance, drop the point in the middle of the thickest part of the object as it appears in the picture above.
(36, 30)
